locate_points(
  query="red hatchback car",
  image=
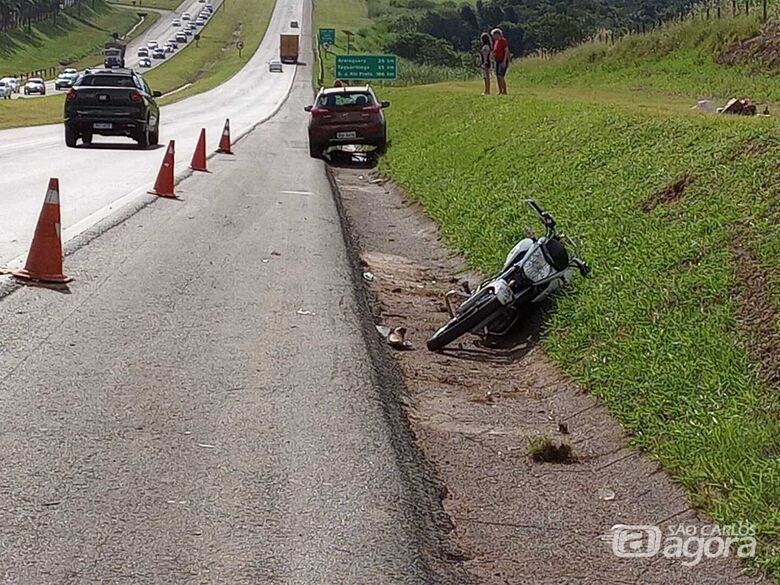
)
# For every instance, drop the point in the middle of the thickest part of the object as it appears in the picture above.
(346, 115)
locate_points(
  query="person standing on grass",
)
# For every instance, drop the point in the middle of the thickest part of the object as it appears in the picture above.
(486, 52)
(501, 55)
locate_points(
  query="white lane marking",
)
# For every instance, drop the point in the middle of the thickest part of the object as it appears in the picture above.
(296, 192)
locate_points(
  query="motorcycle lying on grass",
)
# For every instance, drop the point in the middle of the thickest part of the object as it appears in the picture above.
(534, 269)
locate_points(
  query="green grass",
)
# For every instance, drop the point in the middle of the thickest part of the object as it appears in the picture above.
(680, 59)
(655, 332)
(73, 38)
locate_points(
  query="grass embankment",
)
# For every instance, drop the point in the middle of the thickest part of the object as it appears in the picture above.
(360, 17)
(677, 330)
(73, 38)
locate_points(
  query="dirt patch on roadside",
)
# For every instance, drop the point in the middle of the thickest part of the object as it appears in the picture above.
(670, 194)
(476, 412)
(762, 50)
(757, 316)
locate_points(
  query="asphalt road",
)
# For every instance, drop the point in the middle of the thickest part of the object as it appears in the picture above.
(201, 407)
(96, 180)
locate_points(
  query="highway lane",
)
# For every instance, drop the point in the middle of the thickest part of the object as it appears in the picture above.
(176, 420)
(93, 179)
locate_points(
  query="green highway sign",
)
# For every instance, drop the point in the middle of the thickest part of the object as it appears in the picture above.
(366, 67)
(327, 36)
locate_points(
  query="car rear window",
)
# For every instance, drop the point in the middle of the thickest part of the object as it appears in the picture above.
(106, 81)
(345, 99)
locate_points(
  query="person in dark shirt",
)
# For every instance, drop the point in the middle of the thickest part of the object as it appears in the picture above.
(501, 56)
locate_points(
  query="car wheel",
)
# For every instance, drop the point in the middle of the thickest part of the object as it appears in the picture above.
(154, 137)
(71, 136)
(315, 150)
(381, 148)
(86, 138)
(143, 138)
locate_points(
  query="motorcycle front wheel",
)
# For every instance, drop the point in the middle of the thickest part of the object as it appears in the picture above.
(464, 323)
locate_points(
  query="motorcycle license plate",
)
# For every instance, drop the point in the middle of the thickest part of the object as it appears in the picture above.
(102, 126)
(343, 135)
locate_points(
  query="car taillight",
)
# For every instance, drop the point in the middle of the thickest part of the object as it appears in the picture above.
(373, 109)
(319, 113)
(72, 95)
(136, 97)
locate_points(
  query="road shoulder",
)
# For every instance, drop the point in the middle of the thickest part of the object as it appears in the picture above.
(474, 410)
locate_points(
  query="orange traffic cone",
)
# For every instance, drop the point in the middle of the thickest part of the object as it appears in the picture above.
(163, 186)
(199, 158)
(44, 261)
(224, 142)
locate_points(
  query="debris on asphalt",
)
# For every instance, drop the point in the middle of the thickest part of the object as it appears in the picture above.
(369, 276)
(563, 428)
(545, 450)
(305, 312)
(207, 446)
(383, 330)
(606, 494)
(275, 253)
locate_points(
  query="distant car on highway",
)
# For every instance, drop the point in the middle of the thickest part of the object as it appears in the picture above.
(168, 49)
(209, 7)
(158, 53)
(346, 115)
(65, 79)
(176, 22)
(144, 62)
(181, 38)
(6, 91)
(35, 85)
(199, 22)
(188, 32)
(275, 65)
(152, 45)
(14, 83)
(173, 43)
(186, 16)
(143, 52)
(112, 102)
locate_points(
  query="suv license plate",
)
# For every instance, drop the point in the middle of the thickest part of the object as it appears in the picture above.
(346, 134)
(102, 126)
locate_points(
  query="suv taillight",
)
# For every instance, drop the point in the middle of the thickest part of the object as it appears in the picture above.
(72, 95)
(319, 112)
(136, 97)
(373, 109)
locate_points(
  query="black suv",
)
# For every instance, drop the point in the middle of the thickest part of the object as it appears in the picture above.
(112, 102)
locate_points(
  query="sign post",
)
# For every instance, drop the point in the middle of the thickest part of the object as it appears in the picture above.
(327, 36)
(368, 67)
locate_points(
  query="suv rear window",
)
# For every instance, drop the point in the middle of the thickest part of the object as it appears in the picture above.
(106, 81)
(345, 99)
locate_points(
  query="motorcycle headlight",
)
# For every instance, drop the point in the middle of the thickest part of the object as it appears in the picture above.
(536, 267)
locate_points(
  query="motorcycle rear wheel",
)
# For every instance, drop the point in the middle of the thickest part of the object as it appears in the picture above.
(463, 323)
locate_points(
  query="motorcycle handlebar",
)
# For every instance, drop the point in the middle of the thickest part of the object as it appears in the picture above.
(546, 218)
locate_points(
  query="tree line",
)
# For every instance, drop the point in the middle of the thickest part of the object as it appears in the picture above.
(447, 33)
